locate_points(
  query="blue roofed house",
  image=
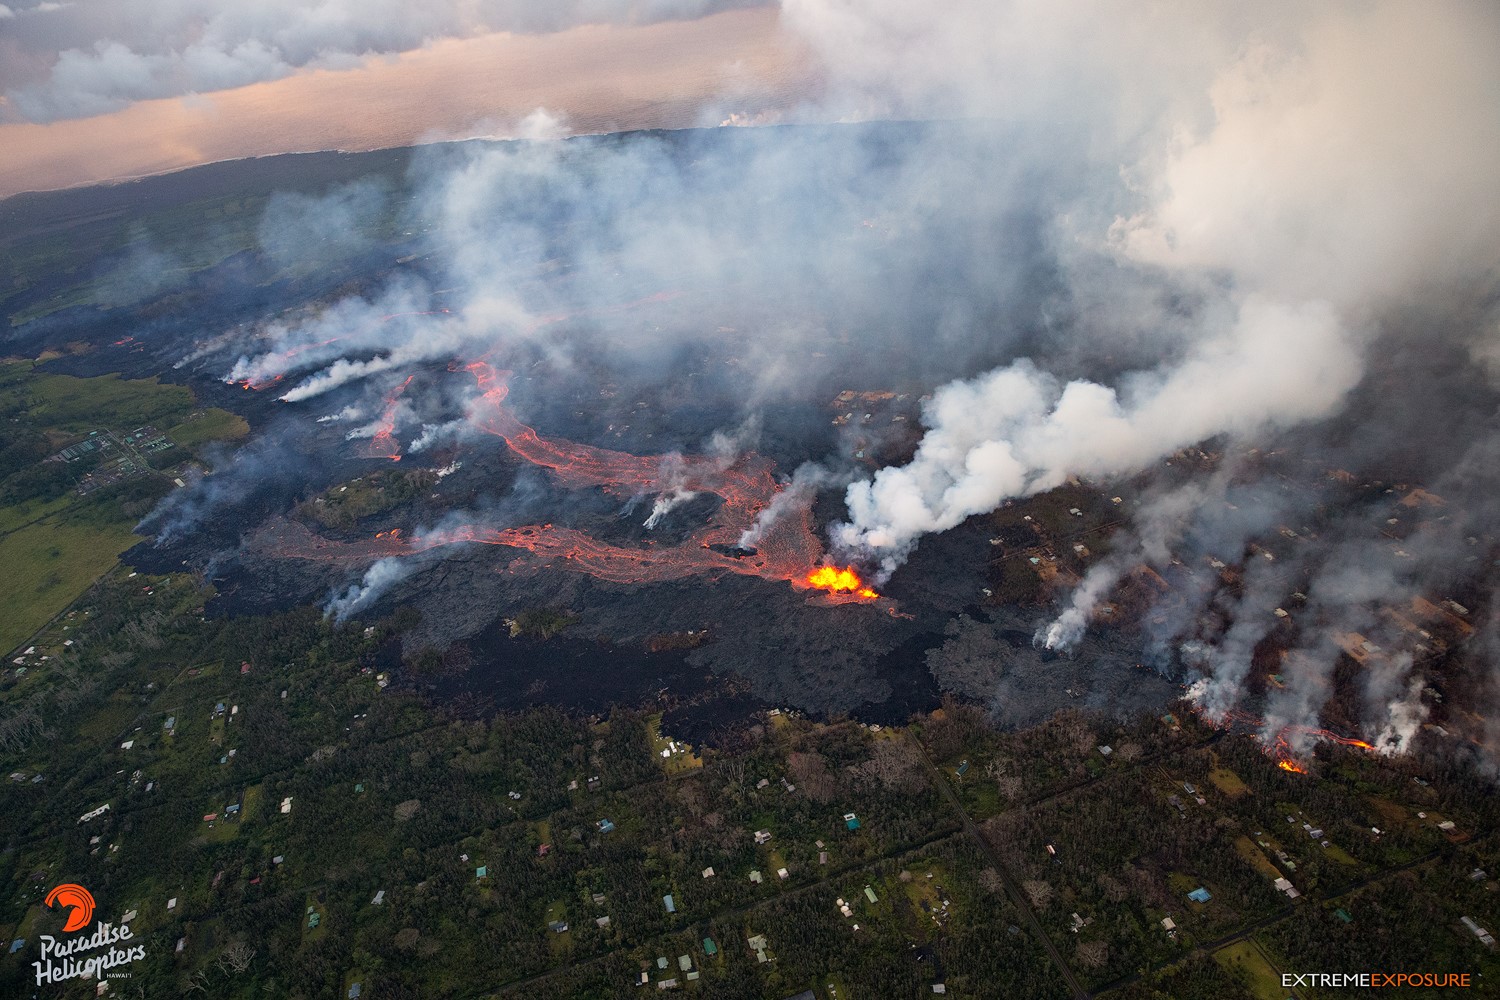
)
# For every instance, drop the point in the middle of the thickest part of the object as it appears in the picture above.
(1200, 895)
(668, 903)
(851, 821)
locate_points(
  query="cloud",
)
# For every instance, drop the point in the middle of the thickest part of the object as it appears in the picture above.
(99, 59)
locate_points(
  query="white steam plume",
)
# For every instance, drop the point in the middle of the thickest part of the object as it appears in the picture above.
(1015, 431)
(380, 577)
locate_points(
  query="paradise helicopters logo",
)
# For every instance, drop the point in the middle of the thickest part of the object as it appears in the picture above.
(81, 957)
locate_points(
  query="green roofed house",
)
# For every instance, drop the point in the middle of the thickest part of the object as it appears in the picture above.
(870, 895)
(1343, 915)
(709, 948)
(851, 821)
(482, 871)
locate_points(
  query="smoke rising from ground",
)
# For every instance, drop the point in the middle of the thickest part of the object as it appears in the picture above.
(1140, 232)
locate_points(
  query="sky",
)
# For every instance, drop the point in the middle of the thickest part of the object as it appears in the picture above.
(97, 92)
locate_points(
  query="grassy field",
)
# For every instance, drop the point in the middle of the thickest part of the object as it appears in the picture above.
(47, 565)
(79, 405)
(209, 425)
(1228, 782)
(1245, 961)
(54, 549)
(684, 761)
(1253, 856)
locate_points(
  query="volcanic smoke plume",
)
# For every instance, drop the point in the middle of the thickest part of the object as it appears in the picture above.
(1116, 235)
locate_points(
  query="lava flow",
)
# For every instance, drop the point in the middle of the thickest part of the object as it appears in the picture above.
(383, 443)
(839, 581)
(746, 486)
(1279, 748)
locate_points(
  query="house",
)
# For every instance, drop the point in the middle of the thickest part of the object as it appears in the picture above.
(762, 836)
(851, 821)
(758, 945)
(782, 873)
(558, 926)
(941, 988)
(543, 850)
(17, 945)
(1105, 751)
(963, 768)
(755, 877)
(483, 871)
(605, 826)
(1200, 895)
(822, 857)
(684, 962)
(1168, 924)
(379, 898)
(661, 961)
(668, 903)
(870, 895)
(667, 984)
(708, 872)
(1483, 935)
(709, 948)
(354, 991)
(602, 923)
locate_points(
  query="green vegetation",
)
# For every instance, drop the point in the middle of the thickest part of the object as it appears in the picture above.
(344, 505)
(47, 565)
(1246, 962)
(540, 623)
(443, 795)
(53, 542)
(204, 426)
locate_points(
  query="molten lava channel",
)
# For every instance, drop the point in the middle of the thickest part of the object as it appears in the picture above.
(746, 486)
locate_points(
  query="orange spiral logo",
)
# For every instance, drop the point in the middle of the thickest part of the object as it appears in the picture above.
(79, 899)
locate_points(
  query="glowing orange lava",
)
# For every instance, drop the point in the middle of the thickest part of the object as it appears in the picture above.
(1279, 747)
(746, 486)
(839, 581)
(383, 444)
